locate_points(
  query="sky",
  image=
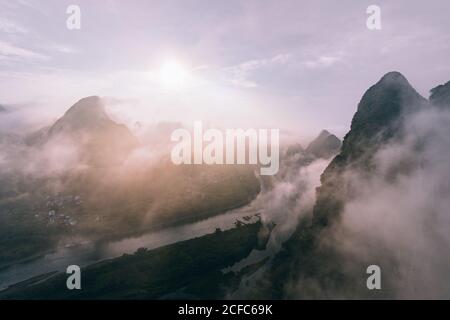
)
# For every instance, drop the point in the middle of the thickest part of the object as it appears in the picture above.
(300, 66)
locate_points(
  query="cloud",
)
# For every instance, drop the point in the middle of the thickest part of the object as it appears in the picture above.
(8, 26)
(288, 197)
(397, 218)
(64, 49)
(54, 157)
(32, 5)
(324, 61)
(292, 196)
(60, 48)
(13, 53)
(240, 74)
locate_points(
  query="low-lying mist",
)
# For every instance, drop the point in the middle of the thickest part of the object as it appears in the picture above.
(396, 217)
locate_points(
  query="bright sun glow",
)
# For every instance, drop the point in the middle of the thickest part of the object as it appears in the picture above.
(173, 75)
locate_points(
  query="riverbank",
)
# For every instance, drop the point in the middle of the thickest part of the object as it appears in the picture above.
(188, 268)
(87, 253)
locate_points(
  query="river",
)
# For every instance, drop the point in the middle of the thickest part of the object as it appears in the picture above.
(87, 253)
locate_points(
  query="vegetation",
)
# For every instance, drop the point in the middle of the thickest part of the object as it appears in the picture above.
(190, 268)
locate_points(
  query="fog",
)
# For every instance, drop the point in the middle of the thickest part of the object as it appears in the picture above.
(291, 197)
(405, 216)
(396, 217)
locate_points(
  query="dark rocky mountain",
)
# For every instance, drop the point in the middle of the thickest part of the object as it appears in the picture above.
(294, 149)
(379, 115)
(100, 140)
(378, 120)
(325, 145)
(2, 109)
(295, 156)
(440, 96)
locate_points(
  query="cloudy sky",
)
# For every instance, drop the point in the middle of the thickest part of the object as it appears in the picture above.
(296, 65)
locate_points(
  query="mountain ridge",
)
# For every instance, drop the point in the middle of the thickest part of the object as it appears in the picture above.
(440, 95)
(379, 120)
(100, 140)
(325, 145)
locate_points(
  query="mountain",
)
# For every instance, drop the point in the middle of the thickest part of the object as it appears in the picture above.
(440, 96)
(2, 109)
(100, 140)
(325, 145)
(378, 120)
(379, 115)
(294, 149)
(87, 115)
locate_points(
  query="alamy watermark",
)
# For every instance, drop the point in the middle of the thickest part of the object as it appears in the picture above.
(374, 280)
(373, 22)
(73, 21)
(74, 280)
(233, 146)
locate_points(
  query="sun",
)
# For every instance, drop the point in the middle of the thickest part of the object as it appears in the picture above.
(173, 74)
